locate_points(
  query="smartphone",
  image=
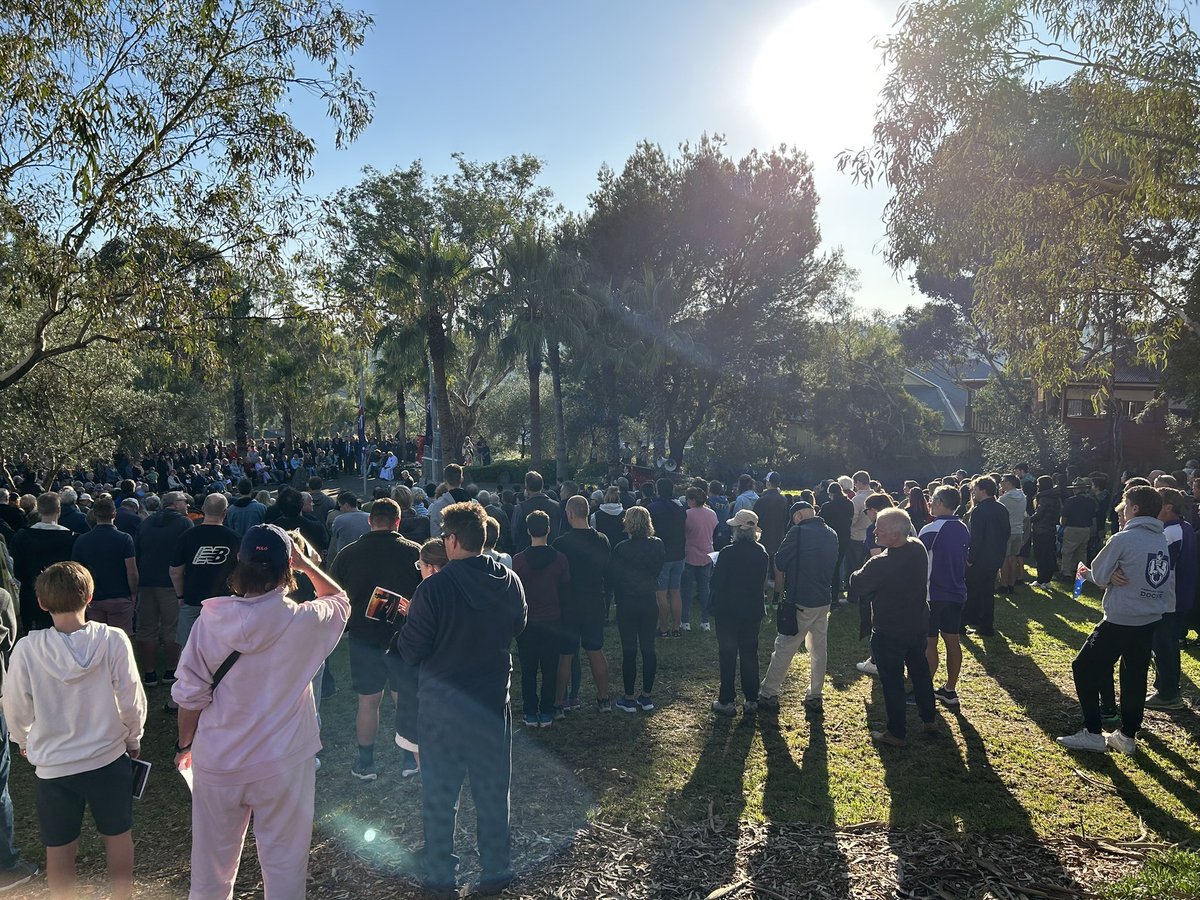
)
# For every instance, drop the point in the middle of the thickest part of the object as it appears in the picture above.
(141, 774)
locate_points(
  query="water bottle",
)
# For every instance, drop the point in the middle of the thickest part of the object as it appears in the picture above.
(1079, 581)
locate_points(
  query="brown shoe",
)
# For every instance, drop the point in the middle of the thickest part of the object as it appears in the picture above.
(886, 737)
(931, 729)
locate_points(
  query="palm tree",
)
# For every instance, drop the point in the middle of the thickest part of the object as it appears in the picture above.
(399, 361)
(373, 408)
(429, 280)
(535, 310)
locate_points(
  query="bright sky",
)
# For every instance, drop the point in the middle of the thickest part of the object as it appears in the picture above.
(578, 84)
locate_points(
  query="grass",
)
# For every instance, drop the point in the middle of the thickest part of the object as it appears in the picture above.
(994, 768)
(1174, 875)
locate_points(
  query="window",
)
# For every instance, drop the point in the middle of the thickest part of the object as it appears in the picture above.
(1075, 409)
(1131, 409)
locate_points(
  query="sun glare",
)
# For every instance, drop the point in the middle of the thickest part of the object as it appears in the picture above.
(816, 79)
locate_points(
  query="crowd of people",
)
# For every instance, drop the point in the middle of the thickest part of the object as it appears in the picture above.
(235, 598)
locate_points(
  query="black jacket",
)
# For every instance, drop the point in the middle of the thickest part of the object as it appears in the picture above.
(520, 536)
(989, 535)
(838, 513)
(896, 584)
(415, 527)
(670, 526)
(633, 571)
(772, 510)
(1046, 513)
(459, 630)
(377, 559)
(738, 579)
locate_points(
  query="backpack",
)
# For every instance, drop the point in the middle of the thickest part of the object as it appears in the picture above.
(722, 534)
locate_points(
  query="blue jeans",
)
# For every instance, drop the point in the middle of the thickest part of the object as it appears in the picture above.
(695, 581)
(9, 854)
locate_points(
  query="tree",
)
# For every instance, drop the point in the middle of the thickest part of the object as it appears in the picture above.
(134, 121)
(399, 361)
(727, 256)
(428, 282)
(1047, 149)
(534, 310)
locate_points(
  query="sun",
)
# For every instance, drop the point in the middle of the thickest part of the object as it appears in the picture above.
(816, 80)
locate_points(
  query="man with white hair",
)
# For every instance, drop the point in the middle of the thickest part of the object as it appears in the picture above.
(893, 592)
(71, 516)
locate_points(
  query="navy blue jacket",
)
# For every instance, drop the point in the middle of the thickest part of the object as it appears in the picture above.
(807, 557)
(989, 535)
(459, 630)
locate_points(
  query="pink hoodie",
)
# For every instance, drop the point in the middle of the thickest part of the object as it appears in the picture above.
(262, 719)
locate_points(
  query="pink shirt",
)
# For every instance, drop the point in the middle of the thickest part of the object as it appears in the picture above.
(262, 719)
(698, 535)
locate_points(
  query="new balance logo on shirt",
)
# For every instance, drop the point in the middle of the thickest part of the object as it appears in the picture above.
(210, 556)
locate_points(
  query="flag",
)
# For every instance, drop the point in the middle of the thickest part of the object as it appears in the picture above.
(362, 436)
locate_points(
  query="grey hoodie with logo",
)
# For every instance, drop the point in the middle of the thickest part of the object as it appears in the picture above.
(1140, 551)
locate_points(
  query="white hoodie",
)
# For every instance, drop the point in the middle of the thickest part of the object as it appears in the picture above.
(74, 702)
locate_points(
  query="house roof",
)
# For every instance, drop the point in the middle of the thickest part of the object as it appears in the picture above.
(929, 393)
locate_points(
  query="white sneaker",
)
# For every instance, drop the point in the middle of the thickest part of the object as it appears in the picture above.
(1084, 740)
(867, 667)
(686, 626)
(1121, 742)
(705, 626)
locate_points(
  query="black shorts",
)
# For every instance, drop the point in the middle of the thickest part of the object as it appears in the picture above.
(107, 791)
(945, 617)
(590, 635)
(368, 670)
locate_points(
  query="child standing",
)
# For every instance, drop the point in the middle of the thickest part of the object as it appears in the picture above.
(59, 698)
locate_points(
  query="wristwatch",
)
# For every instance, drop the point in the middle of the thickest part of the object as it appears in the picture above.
(179, 749)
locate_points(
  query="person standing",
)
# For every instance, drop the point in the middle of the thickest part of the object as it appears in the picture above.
(739, 582)
(247, 719)
(452, 476)
(14, 871)
(381, 558)
(634, 573)
(109, 556)
(1134, 569)
(859, 522)
(77, 711)
(772, 510)
(158, 604)
(808, 558)
(34, 549)
(1078, 519)
(245, 512)
(204, 558)
(989, 544)
(699, 526)
(837, 512)
(348, 525)
(586, 605)
(947, 541)
(1181, 544)
(460, 627)
(892, 589)
(1043, 525)
(545, 574)
(670, 525)
(1013, 499)
(535, 498)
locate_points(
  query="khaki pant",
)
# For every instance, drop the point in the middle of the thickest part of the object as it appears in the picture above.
(157, 615)
(812, 632)
(1074, 548)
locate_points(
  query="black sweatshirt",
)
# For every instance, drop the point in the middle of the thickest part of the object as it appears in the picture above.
(377, 559)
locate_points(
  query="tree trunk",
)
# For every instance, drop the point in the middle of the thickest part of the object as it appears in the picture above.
(451, 444)
(560, 424)
(287, 428)
(241, 425)
(612, 442)
(534, 367)
(378, 429)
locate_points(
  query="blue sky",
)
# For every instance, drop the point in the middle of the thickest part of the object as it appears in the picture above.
(579, 83)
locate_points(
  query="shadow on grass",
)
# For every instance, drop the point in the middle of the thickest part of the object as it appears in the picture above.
(1051, 710)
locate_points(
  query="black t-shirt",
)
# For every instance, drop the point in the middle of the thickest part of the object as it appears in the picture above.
(588, 553)
(377, 559)
(103, 552)
(208, 554)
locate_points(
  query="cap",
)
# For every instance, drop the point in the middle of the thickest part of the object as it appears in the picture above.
(799, 505)
(267, 544)
(743, 518)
